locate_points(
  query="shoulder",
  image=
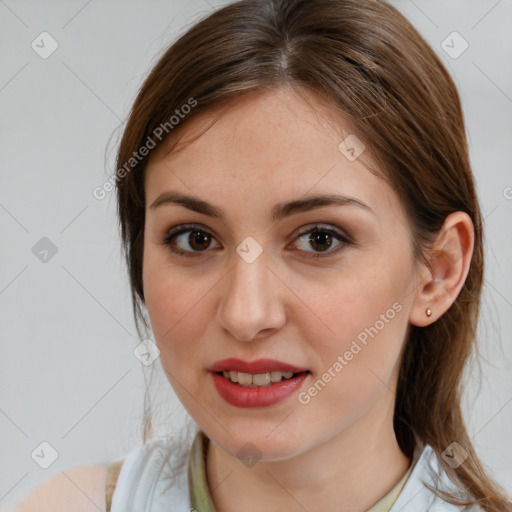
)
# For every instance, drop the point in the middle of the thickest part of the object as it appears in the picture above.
(146, 470)
(81, 489)
(417, 496)
(154, 473)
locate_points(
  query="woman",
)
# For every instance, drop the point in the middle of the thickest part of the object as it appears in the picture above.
(300, 223)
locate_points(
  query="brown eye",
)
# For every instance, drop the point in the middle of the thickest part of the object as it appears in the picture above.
(198, 240)
(321, 240)
(188, 240)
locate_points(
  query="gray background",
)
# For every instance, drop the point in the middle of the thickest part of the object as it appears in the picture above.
(68, 373)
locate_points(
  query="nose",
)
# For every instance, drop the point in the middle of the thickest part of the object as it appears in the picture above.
(252, 303)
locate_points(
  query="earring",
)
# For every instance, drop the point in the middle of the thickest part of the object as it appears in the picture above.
(428, 312)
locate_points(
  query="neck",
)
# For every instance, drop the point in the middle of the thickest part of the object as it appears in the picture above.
(352, 470)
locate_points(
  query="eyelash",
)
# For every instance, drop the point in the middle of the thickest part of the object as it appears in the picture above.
(172, 234)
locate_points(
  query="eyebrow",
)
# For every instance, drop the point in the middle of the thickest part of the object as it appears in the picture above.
(279, 211)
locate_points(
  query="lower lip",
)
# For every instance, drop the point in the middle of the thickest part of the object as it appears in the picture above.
(263, 396)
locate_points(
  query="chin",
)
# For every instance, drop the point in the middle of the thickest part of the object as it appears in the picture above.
(263, 444)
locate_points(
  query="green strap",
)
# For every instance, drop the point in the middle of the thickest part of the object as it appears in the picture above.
(200, 497)
(113, 470)
(385, 504)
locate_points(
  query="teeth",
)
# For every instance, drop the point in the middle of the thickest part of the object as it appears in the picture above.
(260, 379)
(244, 379)
(276, 376)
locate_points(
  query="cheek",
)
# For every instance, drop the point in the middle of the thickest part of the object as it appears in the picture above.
(178, 319)
(364, 324)
(178, 309)
(168, 294)
(354, 376)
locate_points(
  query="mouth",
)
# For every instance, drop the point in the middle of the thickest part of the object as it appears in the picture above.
(258, 383)
(259, 380)
(267, 389)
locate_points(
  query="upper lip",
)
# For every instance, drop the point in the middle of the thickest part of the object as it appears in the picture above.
(254, 367)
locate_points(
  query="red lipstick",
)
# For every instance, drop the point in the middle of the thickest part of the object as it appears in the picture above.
(254, 367)
(259, 396)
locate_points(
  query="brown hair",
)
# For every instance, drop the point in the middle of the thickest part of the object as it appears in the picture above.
(369, 63)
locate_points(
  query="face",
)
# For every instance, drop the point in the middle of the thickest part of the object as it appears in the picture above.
(327, 289)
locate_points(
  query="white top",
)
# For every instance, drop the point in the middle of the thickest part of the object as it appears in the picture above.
(145, 484)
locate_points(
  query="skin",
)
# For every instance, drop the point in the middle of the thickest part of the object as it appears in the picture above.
(339, 451)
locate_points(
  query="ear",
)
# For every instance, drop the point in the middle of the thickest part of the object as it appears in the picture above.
(448, 266)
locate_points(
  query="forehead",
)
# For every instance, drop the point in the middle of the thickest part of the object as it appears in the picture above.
(278, 145)
(256, 121)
